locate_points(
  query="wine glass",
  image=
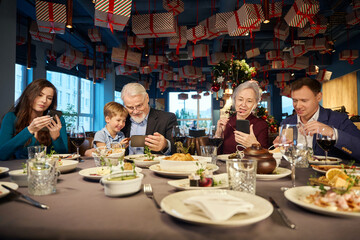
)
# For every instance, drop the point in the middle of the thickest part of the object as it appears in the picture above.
(290, 147)
(77, 137)
(178, 134)
(213, 139)
(325, 142)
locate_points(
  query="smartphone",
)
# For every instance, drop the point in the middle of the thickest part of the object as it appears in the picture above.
(243, 126)
(137, 140)
(53, 112)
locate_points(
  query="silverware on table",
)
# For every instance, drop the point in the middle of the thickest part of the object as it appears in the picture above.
(150, 194)
(29, 199)
(282, 214)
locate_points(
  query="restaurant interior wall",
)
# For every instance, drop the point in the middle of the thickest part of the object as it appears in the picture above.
(7, 56)
(342, 91)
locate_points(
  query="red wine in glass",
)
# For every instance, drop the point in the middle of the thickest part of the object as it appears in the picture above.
(216, 141)
(326, 144)
(77, 137)
(77, 141)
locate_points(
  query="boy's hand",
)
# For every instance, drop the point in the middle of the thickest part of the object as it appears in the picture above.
(125, 142)
(156, 142)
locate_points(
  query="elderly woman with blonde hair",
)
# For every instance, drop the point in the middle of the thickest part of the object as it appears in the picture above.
(245, 99)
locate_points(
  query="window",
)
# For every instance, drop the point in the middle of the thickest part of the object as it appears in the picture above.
(117, 97)
(194, 113)
(287, 106)
(20, 80)
(74, 97)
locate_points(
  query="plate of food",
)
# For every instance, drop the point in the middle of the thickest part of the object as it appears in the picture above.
(143, 160)
(67, 156)
(320, 160)
(96, 173)
(325, 168)
(317, 200)
(157, 169)
(65, 165)
(3, 170)
(217, 181)
(174, 205)
(225, 157)
(277, 174)
(337, 178)
(4, 191)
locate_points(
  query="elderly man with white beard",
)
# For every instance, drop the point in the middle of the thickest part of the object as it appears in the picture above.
(144, 120)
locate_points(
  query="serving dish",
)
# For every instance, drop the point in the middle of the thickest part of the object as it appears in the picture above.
(277, 174)
(19, 177)
(118, 188)
(320, 160)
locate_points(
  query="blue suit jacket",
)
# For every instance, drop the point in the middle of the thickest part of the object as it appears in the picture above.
(348, 143)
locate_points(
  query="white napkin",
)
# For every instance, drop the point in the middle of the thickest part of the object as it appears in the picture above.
(219, 207)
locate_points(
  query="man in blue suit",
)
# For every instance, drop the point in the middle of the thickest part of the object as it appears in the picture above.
(306, 95)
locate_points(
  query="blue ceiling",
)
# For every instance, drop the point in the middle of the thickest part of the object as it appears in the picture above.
(83, 19)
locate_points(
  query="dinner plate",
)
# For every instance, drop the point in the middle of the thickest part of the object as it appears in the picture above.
(297, 195)
(140, 160)
(196, 157)
(173, 205)
(3, 170)
(156, 168)
(4, 191)
(223, 157)
(184, 184)
(278, 173)
(67, 165)
(92, 173)
(350, 171)
(320, 160)
(67, 156)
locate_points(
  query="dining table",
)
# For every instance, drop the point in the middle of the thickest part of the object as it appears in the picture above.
(79, 209)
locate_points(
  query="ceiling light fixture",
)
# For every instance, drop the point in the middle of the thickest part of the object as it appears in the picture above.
(69, 14)
(266, 11)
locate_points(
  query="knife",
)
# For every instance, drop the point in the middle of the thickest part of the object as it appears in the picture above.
(32, 201)
(282, 214)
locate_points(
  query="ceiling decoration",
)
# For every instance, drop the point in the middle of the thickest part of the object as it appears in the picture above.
(174, 39)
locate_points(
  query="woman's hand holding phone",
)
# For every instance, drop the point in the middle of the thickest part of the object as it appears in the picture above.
(246, 139)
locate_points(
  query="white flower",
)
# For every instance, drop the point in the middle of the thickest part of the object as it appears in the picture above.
(220, 79)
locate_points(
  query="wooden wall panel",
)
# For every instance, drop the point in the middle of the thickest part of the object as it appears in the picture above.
(341, 91)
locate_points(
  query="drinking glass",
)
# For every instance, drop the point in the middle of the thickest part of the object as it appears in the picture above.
(178, 134)
(209, 151)
(324, 141)
(77, 137)
(290, 147)
(242, 175)
(36, 151)
(41, 175)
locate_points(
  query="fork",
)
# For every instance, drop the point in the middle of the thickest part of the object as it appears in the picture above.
(150, 194)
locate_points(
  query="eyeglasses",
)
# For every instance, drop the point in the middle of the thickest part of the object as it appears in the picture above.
(137, 107)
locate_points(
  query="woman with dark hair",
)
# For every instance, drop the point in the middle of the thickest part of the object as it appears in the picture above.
(26, 124)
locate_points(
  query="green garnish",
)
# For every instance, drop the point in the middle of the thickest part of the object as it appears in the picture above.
(148, 153)
(182, 148)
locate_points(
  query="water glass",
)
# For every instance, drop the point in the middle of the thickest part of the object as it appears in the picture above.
(41, 175)
(36, 151)
(209, 151)
(242, 175)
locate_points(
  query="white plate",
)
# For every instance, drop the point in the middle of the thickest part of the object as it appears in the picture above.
(184, 184)
(19, 177)
(140, 160)
(321, 160)
(3, 170)
(4, 191)
(279, 173)
(350, 171)
(67, 165)
(297, 195)
(173, 205)
(67, 156)
(196, 157)
(90, 173)
(156, 168)
(223, 157)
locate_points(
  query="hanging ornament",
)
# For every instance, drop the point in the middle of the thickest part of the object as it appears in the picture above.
(215, 88)
(220, 79)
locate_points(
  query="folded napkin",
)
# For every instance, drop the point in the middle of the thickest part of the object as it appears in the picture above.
(219, 207)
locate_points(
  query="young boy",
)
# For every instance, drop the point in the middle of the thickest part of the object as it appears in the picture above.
(115, 118)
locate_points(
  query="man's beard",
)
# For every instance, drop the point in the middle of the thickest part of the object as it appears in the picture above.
(139, 118)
